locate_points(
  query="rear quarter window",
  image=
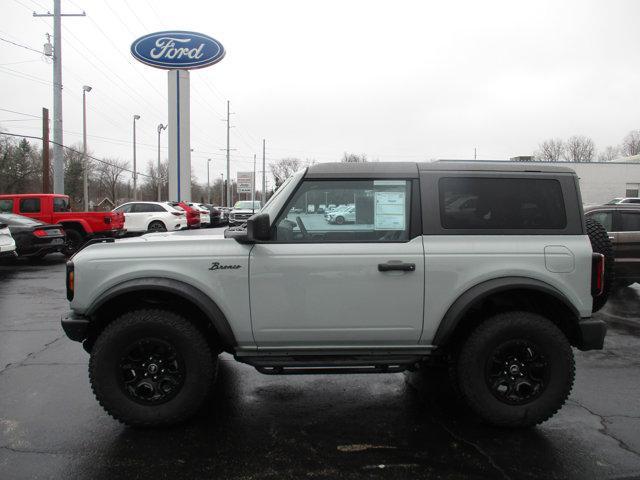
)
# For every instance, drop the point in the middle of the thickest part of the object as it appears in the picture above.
(480, 203)
(30, 205)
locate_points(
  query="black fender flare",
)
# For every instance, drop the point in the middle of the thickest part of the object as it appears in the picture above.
(190, 293)
(464, 302)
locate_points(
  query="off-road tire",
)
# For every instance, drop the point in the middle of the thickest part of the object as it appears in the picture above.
(600, 243)
(157, 226)
(200, 367)
(75, 240)
(478, 349)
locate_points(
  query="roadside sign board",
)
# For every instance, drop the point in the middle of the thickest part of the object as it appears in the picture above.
(245, 182)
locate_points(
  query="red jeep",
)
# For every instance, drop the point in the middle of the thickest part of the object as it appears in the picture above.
(54, 208)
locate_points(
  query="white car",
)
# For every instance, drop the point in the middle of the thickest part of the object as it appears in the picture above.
(345, 215)
(152, 217)
(205, 214)
(7, 243)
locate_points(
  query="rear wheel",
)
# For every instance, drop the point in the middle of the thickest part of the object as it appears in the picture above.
(151, 368)
(600, 243)
(516, 369)
(157, 226)
(75, 239)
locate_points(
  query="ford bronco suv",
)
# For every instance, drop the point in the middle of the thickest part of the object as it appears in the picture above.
(489, 267)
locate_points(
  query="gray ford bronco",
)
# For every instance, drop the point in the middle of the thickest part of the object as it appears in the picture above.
(488, 267)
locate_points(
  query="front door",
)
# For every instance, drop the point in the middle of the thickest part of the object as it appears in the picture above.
(359, 283)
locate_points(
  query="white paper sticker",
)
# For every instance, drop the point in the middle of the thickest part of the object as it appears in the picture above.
(389, 211)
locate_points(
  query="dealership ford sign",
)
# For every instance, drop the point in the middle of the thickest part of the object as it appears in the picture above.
(175, 50)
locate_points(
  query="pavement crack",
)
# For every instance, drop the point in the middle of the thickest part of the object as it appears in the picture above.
(605, 429)
(29, 451)
(9, 366)
(475, 446)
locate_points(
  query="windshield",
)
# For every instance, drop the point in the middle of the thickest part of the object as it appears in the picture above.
(18, 220)
(247, 205)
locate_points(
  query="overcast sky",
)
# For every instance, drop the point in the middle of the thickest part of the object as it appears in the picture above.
(393, 80)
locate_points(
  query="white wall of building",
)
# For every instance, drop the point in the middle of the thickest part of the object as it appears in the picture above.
(600, 182)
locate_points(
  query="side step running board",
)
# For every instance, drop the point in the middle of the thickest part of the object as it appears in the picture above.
(280, 370)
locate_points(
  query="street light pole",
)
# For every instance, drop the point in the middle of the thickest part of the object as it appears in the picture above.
(135, 171)
(85, 165)
(222, 190)
(159, 178)
(208, 186)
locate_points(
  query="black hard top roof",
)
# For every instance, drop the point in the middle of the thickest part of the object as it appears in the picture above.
(412, 169)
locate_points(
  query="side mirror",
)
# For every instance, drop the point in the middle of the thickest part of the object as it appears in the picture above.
(259, 227)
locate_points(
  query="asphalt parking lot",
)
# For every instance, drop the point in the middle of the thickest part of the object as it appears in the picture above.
(257, 426)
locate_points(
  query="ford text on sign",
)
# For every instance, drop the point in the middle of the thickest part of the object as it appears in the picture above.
(177, 50)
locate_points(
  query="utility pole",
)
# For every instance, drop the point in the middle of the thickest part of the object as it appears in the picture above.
(46, 181)
(229, 200)
(208, 185)
(58, 158)
(264, 176)
(253, 190)
(475, 156)
(85, 166)
(135, 171)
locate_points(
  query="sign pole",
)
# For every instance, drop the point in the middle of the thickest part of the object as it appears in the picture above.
(179, 136)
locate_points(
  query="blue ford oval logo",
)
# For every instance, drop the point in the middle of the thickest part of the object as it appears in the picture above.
(177, 50)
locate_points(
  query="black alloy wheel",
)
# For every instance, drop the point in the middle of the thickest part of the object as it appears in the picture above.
(517, 373)
(151, 371)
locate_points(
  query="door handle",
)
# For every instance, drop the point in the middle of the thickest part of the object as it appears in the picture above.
(612, 237)
(403, 267)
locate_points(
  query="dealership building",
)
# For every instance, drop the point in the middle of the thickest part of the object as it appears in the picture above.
(602, 181)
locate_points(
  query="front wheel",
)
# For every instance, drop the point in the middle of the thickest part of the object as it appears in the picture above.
(151, 368)
(516, 369)
(339, 220)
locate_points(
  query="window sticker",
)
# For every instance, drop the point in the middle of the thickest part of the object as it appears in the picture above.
(389, 210)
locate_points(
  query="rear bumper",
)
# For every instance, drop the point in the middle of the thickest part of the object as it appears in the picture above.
(75, 326)
(115, 233)
(592, 333)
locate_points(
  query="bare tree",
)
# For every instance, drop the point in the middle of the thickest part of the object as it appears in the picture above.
(109, 173)
(149, 187)
(284, 168)
(550, 150)
(579, 149)
(631, 143)
(353, 158)
(609, 154)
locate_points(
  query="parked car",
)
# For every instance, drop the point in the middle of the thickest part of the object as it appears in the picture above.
(152, 217)
(339, 217)
(7, 243)
(622, 222)
(55, 209)
(501, 301)
(216, 214)
(34, 238)
(193, 214)
(623, 200)
(205, 214)
(242, 210)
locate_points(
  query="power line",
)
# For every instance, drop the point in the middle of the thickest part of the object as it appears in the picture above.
(21, 46)
(19, 113)
(32, 137)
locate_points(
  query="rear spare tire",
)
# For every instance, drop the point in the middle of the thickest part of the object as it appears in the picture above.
(600, 243)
